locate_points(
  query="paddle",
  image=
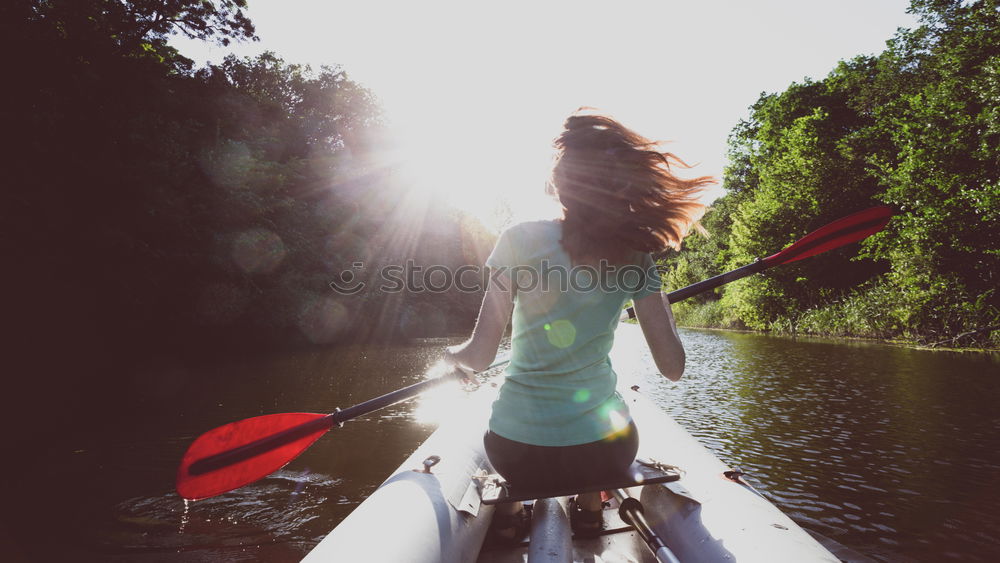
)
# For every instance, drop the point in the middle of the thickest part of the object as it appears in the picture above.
(846, 230)
(242, 452)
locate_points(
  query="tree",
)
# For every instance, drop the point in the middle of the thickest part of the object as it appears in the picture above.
(945, 170)
(915, 127)
(796, 166)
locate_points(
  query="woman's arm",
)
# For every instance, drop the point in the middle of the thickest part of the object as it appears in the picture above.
(657, 322)
(478, 352)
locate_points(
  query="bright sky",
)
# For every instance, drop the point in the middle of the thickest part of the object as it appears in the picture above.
(485, 87)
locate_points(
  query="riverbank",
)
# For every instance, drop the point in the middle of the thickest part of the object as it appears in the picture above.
(843, 321)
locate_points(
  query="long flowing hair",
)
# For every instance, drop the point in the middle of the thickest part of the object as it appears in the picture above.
(618, 193)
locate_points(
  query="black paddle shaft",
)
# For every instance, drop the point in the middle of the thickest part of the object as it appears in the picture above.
(631, 511)
(712, 283)
(852, 228)
(399, 395)
(336, 418)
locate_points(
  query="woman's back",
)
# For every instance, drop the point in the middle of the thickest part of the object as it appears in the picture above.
(558, 418)
(560, 386)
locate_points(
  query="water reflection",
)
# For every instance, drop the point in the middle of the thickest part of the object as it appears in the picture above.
(107, 494)
(893, 452)
(889, 450)
(274, 512)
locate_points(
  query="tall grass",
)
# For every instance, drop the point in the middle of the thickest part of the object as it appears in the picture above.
(878, 310)
(881, 311)
(711, 314)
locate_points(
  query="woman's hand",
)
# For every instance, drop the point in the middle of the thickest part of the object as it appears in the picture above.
(462, 373)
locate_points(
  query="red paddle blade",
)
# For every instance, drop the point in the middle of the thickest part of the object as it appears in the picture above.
(843, 231)
(239, 453)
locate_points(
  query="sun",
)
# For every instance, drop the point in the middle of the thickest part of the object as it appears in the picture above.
(492, 172)
(441, 170)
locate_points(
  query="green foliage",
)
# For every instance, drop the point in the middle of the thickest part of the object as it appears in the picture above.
(880, 310)
(800, 153)
(217, 201)
(152, 211)
(711, 314)
(142, 23)
(915, 127)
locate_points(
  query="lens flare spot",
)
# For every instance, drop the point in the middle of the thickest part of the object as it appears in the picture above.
(258, 251)
(324, 320)
(561, 333)
(229, 164)
(618, 422)
(581, 395)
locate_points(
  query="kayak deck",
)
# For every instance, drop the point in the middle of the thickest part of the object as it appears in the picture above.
(438, 516)
(618, 543)
(495, 490)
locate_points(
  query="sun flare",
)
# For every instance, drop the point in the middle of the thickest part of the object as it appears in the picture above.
(452, 399)
(496, 174)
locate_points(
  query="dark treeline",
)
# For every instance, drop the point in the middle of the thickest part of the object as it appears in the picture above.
(916, 127)
(152, 207)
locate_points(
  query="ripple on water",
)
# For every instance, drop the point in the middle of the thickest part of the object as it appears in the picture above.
(269, 519)
(893, 452)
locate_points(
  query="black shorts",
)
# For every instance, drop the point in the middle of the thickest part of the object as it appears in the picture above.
(550, 467)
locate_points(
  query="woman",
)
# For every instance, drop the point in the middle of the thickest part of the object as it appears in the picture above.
(558, 420)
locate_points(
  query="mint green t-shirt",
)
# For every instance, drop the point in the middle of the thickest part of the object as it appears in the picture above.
(560, 387)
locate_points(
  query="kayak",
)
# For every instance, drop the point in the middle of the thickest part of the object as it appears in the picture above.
(431, 508)
(434, 507)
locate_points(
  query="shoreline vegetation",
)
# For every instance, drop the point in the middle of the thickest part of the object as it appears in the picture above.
(846, 320)
(936, 347)
(690, 321)
(916, 127)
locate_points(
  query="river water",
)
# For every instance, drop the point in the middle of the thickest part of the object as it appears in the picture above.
(890, 451)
